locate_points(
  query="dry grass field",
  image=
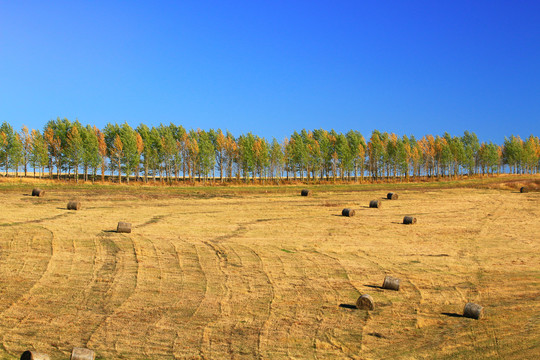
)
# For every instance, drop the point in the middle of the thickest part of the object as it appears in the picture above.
(267, 274)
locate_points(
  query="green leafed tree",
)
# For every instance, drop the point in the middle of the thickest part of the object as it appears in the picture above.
(114, 148)
(261, 156)
(471, 145)
(246, 155)
(168, 148)
(129, 153)
(90, 156)
(6, 145)
(11, 148)
(26, 140)
(74, 150)
(276, 159)
(357, 145)
(147, 151)
(376, 151)
(513, 153)
(39, 156)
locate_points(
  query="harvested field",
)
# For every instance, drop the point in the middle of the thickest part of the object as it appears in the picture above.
(262, 275)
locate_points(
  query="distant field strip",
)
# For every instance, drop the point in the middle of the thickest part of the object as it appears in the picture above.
(270, 276)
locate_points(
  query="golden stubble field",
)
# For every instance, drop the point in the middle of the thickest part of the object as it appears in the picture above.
(262, 274)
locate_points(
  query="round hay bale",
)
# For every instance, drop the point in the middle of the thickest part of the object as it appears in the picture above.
(392, 196)
(365, 302)
(123, 227)
(409, 220)
(38, 192)
(390, 283)
(523, 189)
(32, 355)
(82, 354)
(348, 212)
(473, 311)
(375, 204)
(74, 205)
(306, 192)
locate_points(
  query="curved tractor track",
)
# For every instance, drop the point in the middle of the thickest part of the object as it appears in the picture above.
(272, 276)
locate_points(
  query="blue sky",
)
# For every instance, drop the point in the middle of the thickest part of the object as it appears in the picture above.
(272, 67)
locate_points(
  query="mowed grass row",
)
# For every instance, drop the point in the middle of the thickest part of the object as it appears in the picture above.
(256, 274)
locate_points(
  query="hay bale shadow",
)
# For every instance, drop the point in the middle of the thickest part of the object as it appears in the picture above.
(452, 315)
(108, 231)
(348, 306)
(374, 286)
(377, 335)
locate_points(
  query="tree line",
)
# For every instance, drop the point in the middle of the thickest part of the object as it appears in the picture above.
(169, 153)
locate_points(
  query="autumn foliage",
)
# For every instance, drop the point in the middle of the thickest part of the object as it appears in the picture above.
(169, 152)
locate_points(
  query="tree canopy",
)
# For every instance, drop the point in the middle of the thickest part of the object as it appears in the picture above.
(170, 152)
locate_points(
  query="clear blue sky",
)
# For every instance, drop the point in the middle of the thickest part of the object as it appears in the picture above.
(272, 67)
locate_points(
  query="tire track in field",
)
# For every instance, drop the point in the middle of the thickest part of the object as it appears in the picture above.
(245, 305)
(104, 337)
(192, 276)
(262, 341)
(123, 285)
(159, 335)
(125, 329)
(154, 320)
(26, 263)
(227, 258)
(265, 317)
(475, 249)
(23, 260)
(201, 267)
(112, 283)
(42, 308)
(210, 342)
(365, 266)
(294, 319)
(35, 221)
(231, 257)
(341, 332)
(162, 335)
(484, 279)
(271, 343)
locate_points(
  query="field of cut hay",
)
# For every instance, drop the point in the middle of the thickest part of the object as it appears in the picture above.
(269, 274)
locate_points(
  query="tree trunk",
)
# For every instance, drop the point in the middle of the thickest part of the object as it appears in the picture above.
(145, 170)
(221, 170)
(119, 172)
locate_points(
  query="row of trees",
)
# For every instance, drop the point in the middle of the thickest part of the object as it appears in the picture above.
(170, 152)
